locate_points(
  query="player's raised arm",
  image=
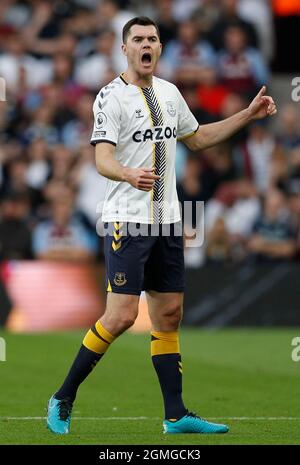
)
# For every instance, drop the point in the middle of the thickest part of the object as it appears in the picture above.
(211, 134)
(141, 178)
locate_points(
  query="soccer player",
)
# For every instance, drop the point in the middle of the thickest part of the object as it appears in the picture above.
(138, 119)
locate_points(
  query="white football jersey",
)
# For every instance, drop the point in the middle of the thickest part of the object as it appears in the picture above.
(144, 125)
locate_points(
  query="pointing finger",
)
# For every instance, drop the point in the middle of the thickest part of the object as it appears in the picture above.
(262, 91)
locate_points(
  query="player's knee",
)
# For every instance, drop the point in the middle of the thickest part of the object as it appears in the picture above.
(126, 317)
(126, 321)
(172, 315)
(118, 323)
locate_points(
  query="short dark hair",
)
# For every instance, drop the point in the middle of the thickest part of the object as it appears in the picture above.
(140, 21)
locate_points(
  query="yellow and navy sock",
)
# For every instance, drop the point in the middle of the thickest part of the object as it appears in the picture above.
(95, 344)
(166, 359)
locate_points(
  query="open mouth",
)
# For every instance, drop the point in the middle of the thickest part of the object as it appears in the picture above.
(146, 58)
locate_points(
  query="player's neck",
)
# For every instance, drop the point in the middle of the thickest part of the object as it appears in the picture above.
(133, 78)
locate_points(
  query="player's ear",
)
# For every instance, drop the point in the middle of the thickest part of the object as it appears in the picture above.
(160, 48)
(124, 49)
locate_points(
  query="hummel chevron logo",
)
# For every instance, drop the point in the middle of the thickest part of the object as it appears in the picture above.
(116, 246)
(101, 105)
(104, 94)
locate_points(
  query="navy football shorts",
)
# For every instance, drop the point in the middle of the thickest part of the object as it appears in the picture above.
(143, 257)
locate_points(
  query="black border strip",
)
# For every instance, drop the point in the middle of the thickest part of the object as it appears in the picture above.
(98, 141)
(122, 79)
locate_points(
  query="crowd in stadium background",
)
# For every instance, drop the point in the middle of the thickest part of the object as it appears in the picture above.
(56, 55)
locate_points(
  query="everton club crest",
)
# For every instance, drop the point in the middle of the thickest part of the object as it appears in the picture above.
(120, 279)
(171, 108)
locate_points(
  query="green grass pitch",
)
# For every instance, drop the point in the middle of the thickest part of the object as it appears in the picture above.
(245, 378)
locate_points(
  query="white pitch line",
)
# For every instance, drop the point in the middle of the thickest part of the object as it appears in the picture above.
(158, 418)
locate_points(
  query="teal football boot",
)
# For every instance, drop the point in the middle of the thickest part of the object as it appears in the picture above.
(59, 415)
(192, 423)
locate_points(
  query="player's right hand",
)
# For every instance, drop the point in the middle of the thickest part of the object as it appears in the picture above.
(141, 178)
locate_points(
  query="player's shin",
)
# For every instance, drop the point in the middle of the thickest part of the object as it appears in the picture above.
(166, 359)
(95, 344)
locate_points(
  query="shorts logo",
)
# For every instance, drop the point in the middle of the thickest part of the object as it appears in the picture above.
(101, 120)
(120, 279)
(171, 108)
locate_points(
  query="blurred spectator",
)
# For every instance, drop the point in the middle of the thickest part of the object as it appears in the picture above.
(259, 13)
(59, 101)
(204, 173)
(15, 234)
(110, 15)
(232, 104)
(218, 168)
(189, 188)
(63, 237)
(294, 163)
(62, 163)
(272, 237)
(45, 35)
(190, 95)
(38, 168)
(63, 68)
(289, 126)
(237, 204)
(13, 15)
(211, 93)
(183, 9)
(64, 44)
(229, 16)
(241, 68)
(90, 185)
(98, 70)
(184, 58)
(41, 127)
(16, 181)
(55, 189)
(63, 74)
(166, 21)
(192, 99)
(218, 245)
(256, 155)
(77, 133)
(18, 68)
(293, 191)
(91, 4)
(279, 168)
(243, 211)
(3, 117)
(206, 16)
(81, 25)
